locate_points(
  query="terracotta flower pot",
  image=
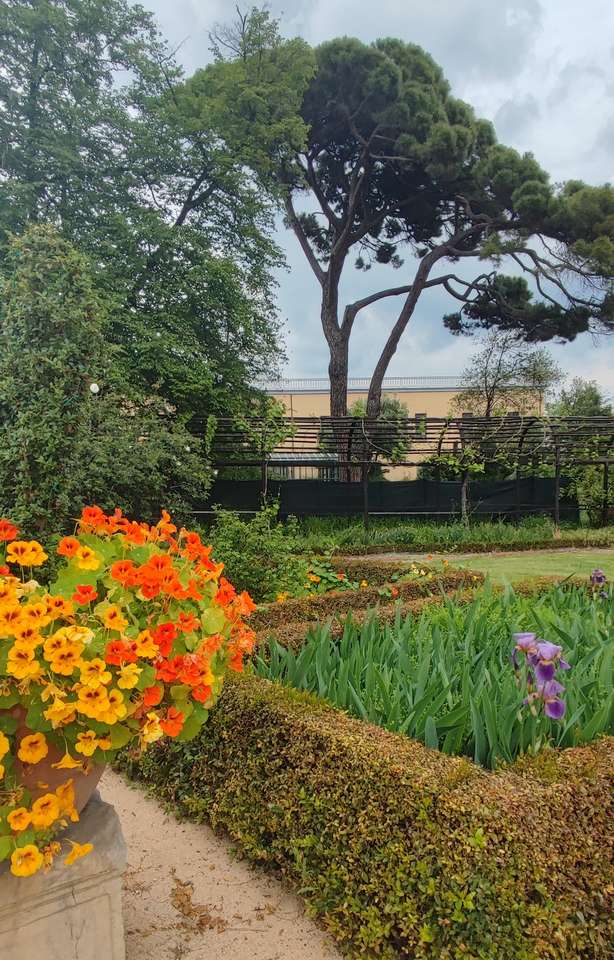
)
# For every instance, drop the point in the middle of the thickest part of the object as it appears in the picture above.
(40, 778)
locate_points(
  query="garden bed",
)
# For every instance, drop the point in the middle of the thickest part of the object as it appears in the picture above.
(402, 851)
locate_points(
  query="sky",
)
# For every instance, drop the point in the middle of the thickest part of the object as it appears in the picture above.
(541, 70)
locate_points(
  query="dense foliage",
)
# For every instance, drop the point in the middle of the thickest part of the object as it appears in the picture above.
(96, 140)
(61, 442)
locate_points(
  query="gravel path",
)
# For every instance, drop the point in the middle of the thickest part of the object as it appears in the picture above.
(187, 898)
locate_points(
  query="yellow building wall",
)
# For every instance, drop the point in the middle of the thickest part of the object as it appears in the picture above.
(434, 403)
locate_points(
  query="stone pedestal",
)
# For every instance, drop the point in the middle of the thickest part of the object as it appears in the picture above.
(70, 913)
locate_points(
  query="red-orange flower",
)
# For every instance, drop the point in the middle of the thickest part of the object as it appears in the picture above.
(187, 622)
(84, 594)
(213, 643)
(117, 652)
(124, 572)
(93, 517)
(152, 695)
(68, 546)
(172, 723)
(201, 693)
(225, 594)
(8, 530)
(164, 635)
(244, 604)
(168, 670)
(4, 571)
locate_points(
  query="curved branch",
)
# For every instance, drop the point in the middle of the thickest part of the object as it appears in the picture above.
(304, 242)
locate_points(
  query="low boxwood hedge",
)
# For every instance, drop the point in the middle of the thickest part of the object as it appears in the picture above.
(402, 851)
(324, 605)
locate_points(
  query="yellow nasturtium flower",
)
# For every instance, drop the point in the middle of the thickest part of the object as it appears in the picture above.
(94, 673)
(65, 795)
(45, 811)
(33, 748)
(4, 745)
(87, 559)
(22, 663)
(26, 860)
(60, 713)
(78, 850)
(67, 763)
(129, 676)
(86, 743)
(18, 819)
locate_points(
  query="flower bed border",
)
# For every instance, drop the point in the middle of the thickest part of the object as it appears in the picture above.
(403, 851)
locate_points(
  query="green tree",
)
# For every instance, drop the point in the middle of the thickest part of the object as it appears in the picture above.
(387, 440)
(73, 430)
(96, 140)
(393, 165)
(506, 375)
(582, 398)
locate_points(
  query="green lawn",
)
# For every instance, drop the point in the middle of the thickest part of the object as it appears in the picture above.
(517, 566)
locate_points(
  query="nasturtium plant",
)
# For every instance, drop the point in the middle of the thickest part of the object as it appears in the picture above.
(130, 643)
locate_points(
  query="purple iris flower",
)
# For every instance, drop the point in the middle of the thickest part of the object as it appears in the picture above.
(527, 642)
(542, 660)
(546, 660)
(598, 577)
(554, 706)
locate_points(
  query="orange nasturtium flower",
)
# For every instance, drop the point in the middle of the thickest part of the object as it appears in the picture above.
(68, 547)
(8, 530)
(4, 745)
(26, 860)
(152, 696)
(33, 748)
(84, 594)
(172, 723)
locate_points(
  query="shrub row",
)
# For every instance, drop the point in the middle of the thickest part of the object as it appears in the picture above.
(579, 539)
(323, 605)
(402, 851)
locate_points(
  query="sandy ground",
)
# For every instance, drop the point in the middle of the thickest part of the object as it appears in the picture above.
(187, 898)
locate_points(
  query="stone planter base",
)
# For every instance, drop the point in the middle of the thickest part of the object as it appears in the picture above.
(70, 913)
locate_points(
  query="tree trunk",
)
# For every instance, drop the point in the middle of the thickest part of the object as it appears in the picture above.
(465, 498)
(375, 388)
(338, 375)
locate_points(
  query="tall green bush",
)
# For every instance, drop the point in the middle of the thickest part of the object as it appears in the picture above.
(73, 429)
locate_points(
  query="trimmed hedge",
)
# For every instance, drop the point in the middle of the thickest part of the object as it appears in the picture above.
(602, 539)
(402, 851)
(323, 605)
